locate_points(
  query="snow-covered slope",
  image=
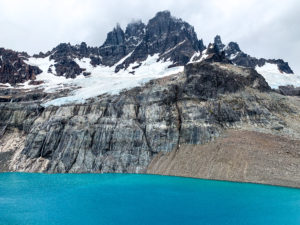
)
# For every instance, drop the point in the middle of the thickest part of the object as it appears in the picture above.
(103, 79)
(276, 78)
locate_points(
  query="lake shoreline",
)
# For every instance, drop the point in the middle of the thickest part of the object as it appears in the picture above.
(148, 174)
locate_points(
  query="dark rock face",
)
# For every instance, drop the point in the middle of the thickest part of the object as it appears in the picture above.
(13, 67)
(114, 47)
(67, 68)
(64, 55)
(282, 65)
(232, 49)
(208, 80)
(118, 43)
(66, 50)
(238, 57)
(124, 133)
(169, 37)
(218, 44)
(215, 55)
(289, 90)
(134, 33)
(201, 45)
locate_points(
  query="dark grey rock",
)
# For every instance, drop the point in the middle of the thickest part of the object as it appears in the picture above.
(14, 69)
(238, 57)
(171, 38)
(289, 90)
(123, 133)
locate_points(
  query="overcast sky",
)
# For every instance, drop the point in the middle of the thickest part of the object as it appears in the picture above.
(263, 28)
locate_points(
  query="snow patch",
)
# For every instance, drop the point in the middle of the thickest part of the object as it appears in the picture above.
(276, 78)
(233, 56)
(51, 82)
(171, 49)
(6, 85)
(203, 55)
(194, 57)
(123, 59)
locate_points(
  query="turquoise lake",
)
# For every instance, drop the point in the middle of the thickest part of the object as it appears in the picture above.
(117, 199)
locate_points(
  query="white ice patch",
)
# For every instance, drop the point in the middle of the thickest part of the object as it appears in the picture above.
(123, 59)
(203, 55)
(193, 58)
(102, 80)
(275, 78)
(51, 82)
(233, 56)
(6, 85)
(171, 49)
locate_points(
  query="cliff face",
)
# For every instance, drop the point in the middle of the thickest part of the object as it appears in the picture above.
(13, 67)
(124, 133)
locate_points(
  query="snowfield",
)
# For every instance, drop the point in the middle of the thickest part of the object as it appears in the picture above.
(276, 78)
(102, 80)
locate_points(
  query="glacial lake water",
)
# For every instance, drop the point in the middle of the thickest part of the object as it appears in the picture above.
(115, 199)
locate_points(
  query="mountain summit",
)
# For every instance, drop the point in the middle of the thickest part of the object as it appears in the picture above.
(166, 40)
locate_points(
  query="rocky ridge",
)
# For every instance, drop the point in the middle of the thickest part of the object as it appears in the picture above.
(238, 57)
(171, 38)
(123, 133)
(13, 67)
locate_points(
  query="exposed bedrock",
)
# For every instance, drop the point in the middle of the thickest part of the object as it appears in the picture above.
(14, 69)
(124, 133)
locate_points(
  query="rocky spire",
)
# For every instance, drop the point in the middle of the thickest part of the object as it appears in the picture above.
(171, 38)
(201, 45)
(218, 43)
(232, 48)
(115, 37)
(135, 29)
(134, 34)
(114, 47)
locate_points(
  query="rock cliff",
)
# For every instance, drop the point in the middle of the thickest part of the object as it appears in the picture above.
(218, 118)
(14, 69)
(124, 133)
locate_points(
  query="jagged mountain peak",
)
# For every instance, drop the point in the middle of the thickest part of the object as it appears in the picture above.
(134, 33)
(163, 14)
(171, 38)
(218, 43)
(232, 53)
(164, 23)
(232, 48)
(201, 45)
(134, 28)
(164, 39)
(115, 37)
